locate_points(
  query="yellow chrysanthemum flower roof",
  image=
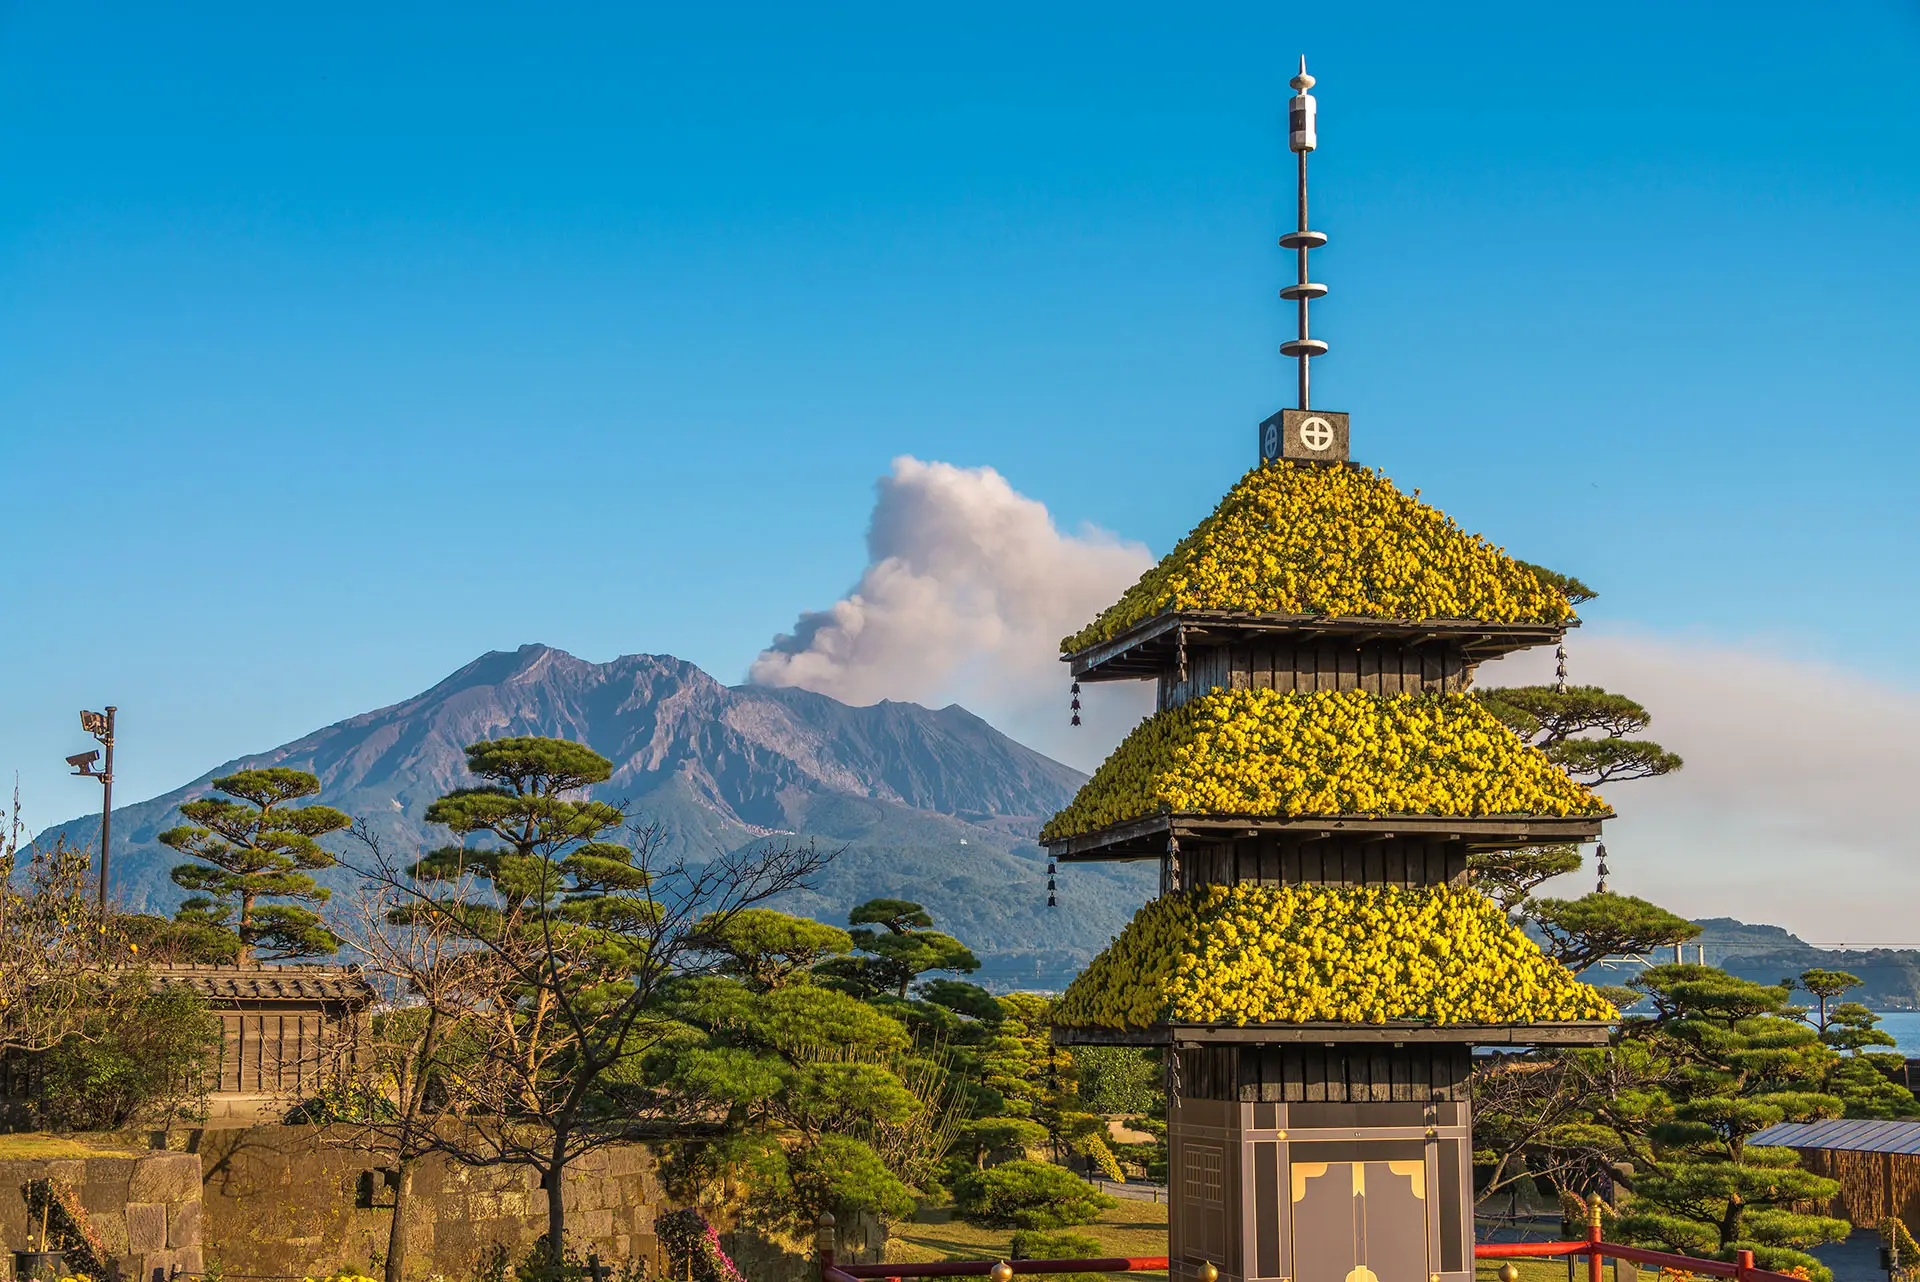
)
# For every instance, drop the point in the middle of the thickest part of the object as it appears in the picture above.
(1310, 954)
(1328, 752)
(1336, 541)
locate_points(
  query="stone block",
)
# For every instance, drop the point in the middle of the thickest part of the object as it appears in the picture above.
(183, 1223)
(593, 1226)
(71, 1169)
(498, 1178)
(146, 1227)
(165, 1177)
(112, 1228)
(190, 1259)
(624, 1159)
(104, 1197)
(486, 1206)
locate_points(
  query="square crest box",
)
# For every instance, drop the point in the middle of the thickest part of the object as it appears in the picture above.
(1305, 436)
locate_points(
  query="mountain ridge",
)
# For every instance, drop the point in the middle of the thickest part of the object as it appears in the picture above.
(931, 804)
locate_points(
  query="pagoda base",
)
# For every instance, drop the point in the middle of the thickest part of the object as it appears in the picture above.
(1352, 1164)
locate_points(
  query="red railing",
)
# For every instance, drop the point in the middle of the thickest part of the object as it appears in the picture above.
(830, 1272)
(1597, 1252)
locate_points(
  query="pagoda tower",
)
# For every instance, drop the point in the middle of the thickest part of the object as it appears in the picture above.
(1317, 965)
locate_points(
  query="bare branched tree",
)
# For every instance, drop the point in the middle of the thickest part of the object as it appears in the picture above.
(541, 972)
(56, 957)
(398, 1087)
(1568, 1117)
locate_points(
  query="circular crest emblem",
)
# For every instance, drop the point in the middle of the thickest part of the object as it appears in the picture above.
(1316, 433)
(1270, 441)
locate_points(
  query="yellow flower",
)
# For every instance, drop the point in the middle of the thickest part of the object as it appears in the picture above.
(1278, 955)
(1340, 541)
(1328, 752)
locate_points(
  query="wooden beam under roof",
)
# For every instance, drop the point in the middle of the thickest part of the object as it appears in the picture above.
(1569, 1033)
(1146, 838)
(1148, 648)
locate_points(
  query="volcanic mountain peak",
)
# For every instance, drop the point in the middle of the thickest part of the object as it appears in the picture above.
(933, 804)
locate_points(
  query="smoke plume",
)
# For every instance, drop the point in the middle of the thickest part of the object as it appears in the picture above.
(968, 589)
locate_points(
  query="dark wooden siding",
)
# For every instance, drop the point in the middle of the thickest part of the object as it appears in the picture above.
(1382, 667)
(1275, 859)
(276, 1051)
(1415, 1073)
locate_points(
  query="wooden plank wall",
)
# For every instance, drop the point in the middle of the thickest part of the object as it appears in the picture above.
(1416, 1073)
(1276, 859)
(1383, 667)
(267, 1052)
(1872, 1185)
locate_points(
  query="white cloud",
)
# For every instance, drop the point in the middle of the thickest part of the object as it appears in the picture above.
(968, 589)
(1793, 805)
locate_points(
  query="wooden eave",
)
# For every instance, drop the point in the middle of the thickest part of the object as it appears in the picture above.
(1146, 838)
(1566, 1033)
(1150, 647)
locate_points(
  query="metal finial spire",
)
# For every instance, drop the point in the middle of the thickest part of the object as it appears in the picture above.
(1301, 139)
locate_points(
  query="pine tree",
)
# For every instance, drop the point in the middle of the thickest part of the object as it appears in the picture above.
(904, 948)
(1744, 1061)
(588, 936)
(256, 847)
(1863, 1076)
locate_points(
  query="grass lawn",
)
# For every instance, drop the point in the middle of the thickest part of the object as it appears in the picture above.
(1548, 1270)
(1131, 1228)
(33, 1146)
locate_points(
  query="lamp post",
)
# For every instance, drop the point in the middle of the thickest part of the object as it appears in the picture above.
(100, 726)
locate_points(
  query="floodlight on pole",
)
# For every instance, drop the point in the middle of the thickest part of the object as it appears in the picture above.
(100, 726)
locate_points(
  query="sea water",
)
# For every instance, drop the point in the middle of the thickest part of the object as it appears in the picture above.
(1904, 1025)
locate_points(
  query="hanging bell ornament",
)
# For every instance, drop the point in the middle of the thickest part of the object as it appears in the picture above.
(1076, 703)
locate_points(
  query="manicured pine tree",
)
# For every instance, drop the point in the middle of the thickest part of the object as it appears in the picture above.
(254, 847)
(572, 925)
(825, 1106)
(1742, 1062)
(1592, 734)
(904, 948)
(591, 938)
(766, 950)
(1863, 1075)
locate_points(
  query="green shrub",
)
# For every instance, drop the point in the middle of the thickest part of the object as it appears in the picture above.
(146, 1059)
(1118, 1079)
(1036, 1244)
(1027, 1195)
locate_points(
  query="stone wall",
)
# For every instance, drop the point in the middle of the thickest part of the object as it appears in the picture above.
(281, 1200)
(145, 1207)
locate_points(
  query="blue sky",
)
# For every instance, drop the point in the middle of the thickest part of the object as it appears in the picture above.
(339, 345)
